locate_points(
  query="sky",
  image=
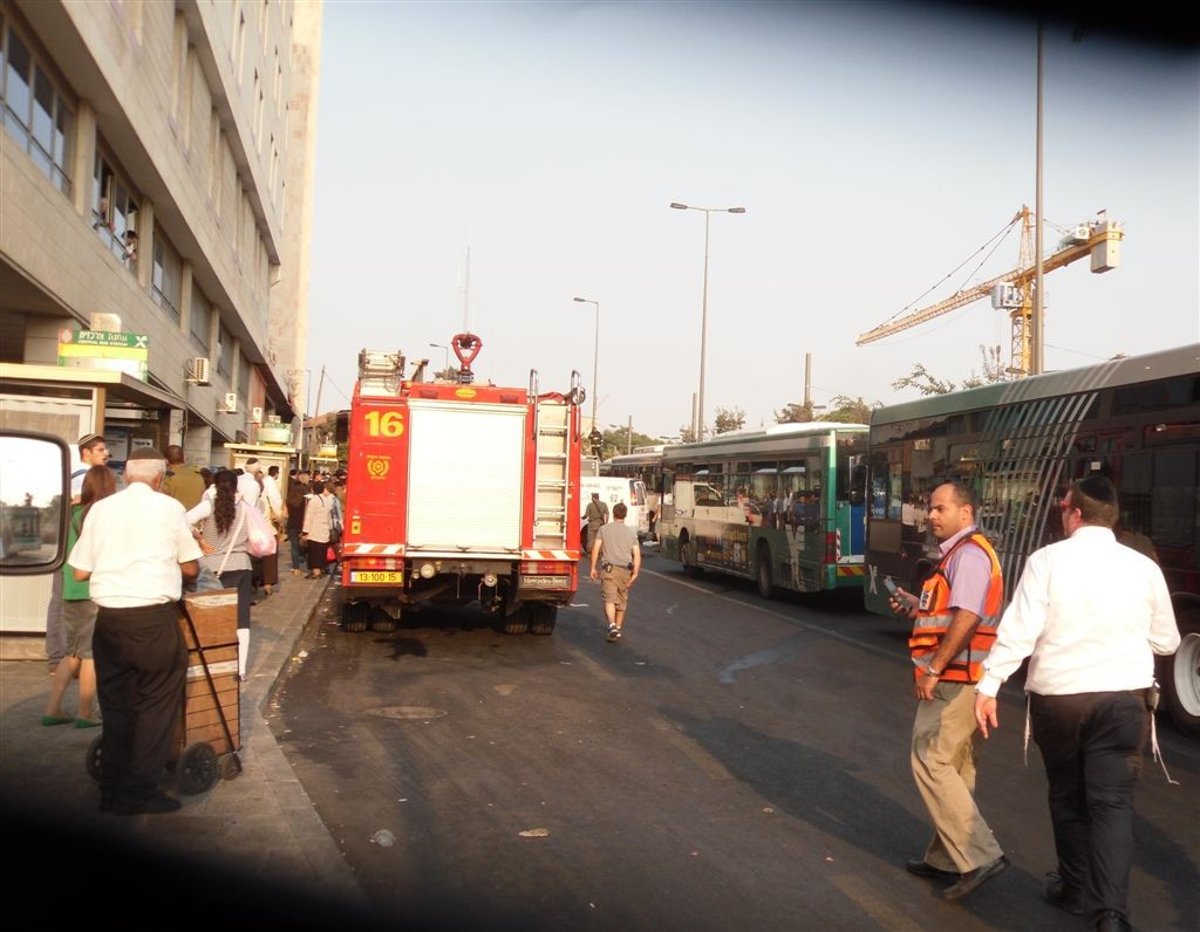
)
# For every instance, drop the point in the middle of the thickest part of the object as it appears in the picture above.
(875, 147)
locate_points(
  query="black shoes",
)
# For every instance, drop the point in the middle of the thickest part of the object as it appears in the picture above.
(1113, 921)
(154, 803)
(1060, 896)
(972, 880)
(921, 869)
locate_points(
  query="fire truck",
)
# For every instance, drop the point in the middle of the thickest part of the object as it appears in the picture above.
(459, 492)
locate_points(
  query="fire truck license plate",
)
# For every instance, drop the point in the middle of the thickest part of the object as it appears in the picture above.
(376, 576)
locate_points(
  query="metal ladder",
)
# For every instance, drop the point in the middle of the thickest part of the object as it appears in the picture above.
(550, 505)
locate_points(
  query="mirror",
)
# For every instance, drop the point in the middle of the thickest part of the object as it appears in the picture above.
(34, 488)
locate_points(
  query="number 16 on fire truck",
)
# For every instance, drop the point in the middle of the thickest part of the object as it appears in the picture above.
(458, 493)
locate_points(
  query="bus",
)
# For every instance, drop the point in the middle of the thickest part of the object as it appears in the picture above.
(1019, 444)
(644, 464)
(784, 506)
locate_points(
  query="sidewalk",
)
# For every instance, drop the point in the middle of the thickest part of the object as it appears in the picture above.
(258, 831)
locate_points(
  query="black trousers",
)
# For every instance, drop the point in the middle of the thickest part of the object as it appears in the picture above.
(141, 669)
(1091, 744)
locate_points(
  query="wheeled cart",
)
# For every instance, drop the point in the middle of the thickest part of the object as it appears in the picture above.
(208, 730)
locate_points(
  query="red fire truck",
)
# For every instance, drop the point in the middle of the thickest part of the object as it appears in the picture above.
(458, 492)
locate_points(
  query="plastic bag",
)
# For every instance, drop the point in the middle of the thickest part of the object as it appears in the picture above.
(260, 536)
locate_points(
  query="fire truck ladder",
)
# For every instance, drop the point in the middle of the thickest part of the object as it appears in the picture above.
(551, 423)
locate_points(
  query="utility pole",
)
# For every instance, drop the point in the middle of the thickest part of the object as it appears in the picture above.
(808, 383)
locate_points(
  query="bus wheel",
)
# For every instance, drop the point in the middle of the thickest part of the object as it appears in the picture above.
(543, 617)
(762, 575)
(1181, 680)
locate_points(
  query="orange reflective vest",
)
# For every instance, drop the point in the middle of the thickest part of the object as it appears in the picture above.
(935, 614)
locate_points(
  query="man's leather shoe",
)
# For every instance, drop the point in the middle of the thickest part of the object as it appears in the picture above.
(921, 869)
(972, 880)
(1058, 895)
(150, 803)
(1113, 921)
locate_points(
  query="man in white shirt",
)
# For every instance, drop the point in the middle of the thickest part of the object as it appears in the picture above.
(136, 549)
(1090, 613)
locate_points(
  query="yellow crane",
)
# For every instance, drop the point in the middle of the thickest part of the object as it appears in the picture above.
(1013, 291)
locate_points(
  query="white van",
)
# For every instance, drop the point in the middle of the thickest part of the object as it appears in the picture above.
(615, 489)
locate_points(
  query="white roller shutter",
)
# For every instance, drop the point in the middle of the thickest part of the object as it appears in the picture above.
(465, 470)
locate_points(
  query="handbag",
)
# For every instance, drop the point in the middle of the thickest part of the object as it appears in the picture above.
(260, 536)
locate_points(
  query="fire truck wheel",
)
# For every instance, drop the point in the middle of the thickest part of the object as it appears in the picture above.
(518, 621)
(382, 622)
(544, 618)
(354, 617)
(198, 769)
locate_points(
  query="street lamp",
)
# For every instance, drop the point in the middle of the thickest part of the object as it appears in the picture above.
(595, 358)
(704, 302)
(443, 346)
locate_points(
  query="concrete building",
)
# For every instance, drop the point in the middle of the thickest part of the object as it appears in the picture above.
(156, 188)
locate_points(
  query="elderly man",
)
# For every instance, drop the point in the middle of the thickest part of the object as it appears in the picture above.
(136, 549)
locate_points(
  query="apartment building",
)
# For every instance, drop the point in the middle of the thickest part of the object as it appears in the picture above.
(156, 184)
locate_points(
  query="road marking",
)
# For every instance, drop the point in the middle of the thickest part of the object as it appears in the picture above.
(870, 648)
(875, 906)
(590, 665)
(692, 749)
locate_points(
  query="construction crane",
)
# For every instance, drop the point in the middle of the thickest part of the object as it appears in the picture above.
(1013, 291)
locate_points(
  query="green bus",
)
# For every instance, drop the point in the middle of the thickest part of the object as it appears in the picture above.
(784, 506)
(1019, 444)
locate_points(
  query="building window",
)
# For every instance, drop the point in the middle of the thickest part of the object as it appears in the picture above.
(243, 379)
(200, 323)
(166, 280)
(36, 114)
(224, 351)
(114, 209)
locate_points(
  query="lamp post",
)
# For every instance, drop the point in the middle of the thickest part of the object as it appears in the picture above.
(443, 346)
(704, 303)
(595, 358)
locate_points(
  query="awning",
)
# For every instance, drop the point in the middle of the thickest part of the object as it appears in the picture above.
(120, 387)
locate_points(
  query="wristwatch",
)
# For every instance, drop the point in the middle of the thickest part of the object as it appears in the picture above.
(929, 671)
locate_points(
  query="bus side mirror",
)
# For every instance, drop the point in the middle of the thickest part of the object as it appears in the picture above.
(35, 500)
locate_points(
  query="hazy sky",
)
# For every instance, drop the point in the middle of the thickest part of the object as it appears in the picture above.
(875, 149)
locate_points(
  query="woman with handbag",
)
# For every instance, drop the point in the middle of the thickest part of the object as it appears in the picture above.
(317, 533)
(225, 545)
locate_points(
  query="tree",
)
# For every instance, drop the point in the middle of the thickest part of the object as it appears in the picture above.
(795, 413)
(927, 384)
(686, 435)
(728, 419)
(619, 440)
(847, 410)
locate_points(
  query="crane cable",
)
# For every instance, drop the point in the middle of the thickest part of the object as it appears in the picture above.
(995, 241)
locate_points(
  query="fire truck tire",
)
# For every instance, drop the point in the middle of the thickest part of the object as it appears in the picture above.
(354, 617)
(1180, 674)
(518, 621)
(381, 622)
(543, 618)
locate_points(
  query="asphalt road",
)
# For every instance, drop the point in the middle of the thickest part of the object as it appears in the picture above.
(732, 763)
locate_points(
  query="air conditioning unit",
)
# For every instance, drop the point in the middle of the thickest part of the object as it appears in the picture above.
(200, 367)
(256, 414)
(230, 403)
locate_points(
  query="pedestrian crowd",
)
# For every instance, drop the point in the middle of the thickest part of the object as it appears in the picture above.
(1089, 613)
(134, 548)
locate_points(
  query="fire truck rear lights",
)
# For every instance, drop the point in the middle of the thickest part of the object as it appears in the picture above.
(545, 566)
(490, 580)
(428, 570)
